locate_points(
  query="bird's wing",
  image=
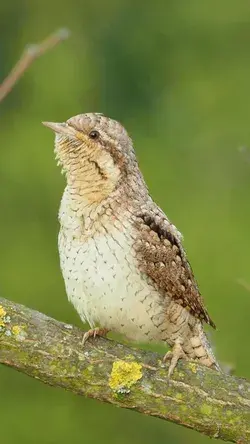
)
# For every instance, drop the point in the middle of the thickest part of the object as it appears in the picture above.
(162, 257)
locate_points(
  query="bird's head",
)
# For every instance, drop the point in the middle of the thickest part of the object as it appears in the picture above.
(95, 152)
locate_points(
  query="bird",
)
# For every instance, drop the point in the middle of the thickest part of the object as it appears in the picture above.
(122, 260)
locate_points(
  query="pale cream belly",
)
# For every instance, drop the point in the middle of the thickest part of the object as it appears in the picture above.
(107, 289)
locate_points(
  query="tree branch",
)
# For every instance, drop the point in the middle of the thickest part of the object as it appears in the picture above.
(215, 404)
(31, 53)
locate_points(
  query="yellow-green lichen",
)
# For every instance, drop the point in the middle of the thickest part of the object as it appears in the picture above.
(206, 409)
(19, 332)
(235, 420)
(130, 357)
(2, 312)
(180, 374)
(124, 375)
(16, 329)
(4, 319)
(192, 367)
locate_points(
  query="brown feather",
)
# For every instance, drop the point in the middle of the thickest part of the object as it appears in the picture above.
(162, 257)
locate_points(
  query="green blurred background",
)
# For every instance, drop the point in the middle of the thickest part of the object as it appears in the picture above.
(177, 74)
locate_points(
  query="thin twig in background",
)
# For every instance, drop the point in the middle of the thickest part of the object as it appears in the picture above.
(31, 53)
(244, 284)
(245, 153)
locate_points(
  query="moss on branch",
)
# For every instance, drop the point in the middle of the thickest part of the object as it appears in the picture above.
(215, 404)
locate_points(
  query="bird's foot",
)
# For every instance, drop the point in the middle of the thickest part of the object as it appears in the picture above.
(173, 356)
(93, 332)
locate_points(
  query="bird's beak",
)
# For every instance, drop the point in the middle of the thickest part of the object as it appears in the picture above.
(61, 128)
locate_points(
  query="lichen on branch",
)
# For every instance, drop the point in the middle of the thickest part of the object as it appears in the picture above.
(197, 397)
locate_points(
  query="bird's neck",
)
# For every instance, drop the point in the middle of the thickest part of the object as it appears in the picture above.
(78, 212)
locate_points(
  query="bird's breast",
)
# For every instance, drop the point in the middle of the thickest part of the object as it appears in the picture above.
(105, 285)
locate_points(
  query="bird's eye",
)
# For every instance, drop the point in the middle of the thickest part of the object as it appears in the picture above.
(94, 134)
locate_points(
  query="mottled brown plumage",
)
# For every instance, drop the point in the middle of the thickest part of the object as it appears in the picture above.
(123, 262)
(163, 258)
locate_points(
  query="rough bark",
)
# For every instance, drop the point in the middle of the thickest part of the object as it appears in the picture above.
(215, 404)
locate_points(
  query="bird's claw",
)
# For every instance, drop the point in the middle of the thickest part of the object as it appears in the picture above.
(93, 332)
(173, 356)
